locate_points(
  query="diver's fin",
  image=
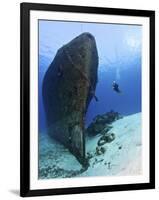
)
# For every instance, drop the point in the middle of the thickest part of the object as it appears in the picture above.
(120, 92)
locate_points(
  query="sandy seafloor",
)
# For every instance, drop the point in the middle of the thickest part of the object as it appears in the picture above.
(123, 156)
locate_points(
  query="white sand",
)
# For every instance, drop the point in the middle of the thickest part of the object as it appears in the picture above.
(122, 156)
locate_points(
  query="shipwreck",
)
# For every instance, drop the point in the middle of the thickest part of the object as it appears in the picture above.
(68, 87)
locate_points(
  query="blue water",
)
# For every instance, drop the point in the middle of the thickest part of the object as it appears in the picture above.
(119, 50)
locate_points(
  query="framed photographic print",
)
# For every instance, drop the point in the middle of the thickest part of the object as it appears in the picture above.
(87, 99)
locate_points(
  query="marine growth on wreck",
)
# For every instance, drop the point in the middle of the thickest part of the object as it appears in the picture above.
(68, 87)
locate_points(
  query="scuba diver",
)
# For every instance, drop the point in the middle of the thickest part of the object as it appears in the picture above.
(115, 87)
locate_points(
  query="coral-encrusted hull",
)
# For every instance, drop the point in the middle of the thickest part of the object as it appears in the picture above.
(68, 87)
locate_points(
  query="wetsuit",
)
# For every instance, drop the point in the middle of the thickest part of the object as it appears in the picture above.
(116, 87)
